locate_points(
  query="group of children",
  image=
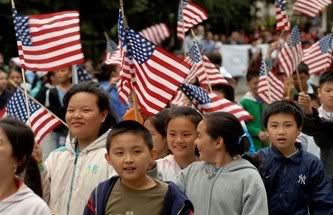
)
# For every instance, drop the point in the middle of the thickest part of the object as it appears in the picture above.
(178, 162)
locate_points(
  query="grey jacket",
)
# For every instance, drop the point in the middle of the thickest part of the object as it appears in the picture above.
(234, 189)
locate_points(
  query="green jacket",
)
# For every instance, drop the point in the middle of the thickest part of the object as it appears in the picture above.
(255, 108)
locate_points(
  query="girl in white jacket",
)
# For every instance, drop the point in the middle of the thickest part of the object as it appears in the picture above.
(16, 145)
(70, 173)
(223, 182)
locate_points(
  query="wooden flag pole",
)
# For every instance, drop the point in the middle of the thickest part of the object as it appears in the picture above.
(75, 78)
(33, 99)
(203, 65)
(26, 96)
(133, 95)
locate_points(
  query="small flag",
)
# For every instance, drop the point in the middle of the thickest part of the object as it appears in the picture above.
(113, 53)
(282, 22)
(189, 15)
(156, 33)
(49, 41)
(208, 103)
(310, 7)
(291, 53)
(83, 75)
(42, 122)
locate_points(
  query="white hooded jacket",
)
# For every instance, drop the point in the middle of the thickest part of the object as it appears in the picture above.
(24, 201)
(69, 177)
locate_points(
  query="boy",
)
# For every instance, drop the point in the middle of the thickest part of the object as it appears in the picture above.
(295, 180)
(319, 123)
(254, 106)
(129, 150)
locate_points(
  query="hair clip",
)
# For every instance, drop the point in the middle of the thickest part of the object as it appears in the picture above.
(240, 138)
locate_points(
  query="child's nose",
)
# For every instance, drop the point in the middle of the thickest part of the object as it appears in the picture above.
(128, 158)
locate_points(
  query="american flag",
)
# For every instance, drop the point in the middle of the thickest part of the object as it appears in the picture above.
(49, 41)
(319, 56)
(83, 75)
(113, 53)
(310, 7)
(42, 122)
(158, 73)
(189, 15)
(210, 102)
(282, 22)
(202, 68)
(291, 53)
(156, 33)
(270, 88)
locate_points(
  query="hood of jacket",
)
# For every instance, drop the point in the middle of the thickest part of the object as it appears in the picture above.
(96, 144)
(22, 193)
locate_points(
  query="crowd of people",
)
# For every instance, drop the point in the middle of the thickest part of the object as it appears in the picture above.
(178, 161)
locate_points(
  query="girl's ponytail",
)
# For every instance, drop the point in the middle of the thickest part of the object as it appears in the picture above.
(32, 177)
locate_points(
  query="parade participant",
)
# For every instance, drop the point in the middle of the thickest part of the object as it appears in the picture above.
(129, 150)
(71, 172)
(222, 182)
(16, 145)
(156, 126)
(181, 133)
(295, 180)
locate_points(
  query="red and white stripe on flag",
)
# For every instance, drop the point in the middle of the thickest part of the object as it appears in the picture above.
(270, 88)
(310, 7)
(189, 15)
(114, 57)
(282, 22)
(213, 74)
(49, 41)
(125, 80)
(156, 33)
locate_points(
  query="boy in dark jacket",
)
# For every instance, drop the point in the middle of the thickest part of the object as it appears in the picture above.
(129, 150)
(295, 180)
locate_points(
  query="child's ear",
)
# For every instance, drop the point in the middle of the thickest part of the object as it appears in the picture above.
(153, 153)
(219, 143)
(107, 158)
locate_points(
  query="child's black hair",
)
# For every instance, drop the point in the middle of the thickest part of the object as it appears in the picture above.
(326, 77)
(227, 90)
(252, 74)
(284, 107)
(193, 115)
(103, 102)
(159, 121)
(22, 140)
(130, 127)
(227, 126)
(302, 68)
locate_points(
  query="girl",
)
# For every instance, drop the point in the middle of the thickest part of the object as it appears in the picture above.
(16, 145)
(181, 133)
(71, 172)
(223, 182)
(156, 127)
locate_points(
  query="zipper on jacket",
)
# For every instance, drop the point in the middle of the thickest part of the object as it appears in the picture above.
(181, 209)
(72, 182)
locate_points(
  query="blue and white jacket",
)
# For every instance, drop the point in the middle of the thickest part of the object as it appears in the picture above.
(295, 185)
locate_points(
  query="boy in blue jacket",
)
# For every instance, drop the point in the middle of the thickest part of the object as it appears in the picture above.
(295, 180)
(129, 150)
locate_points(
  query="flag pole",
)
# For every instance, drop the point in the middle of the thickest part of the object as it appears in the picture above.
(203, 65)
(75, 78)
(33, 99)
(133, 95)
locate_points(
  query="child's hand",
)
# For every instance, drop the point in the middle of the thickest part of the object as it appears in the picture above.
(304, 100)
(263, 136)
(37, 153)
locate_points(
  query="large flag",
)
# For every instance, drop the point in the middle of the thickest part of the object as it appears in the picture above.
(310, 7)
(42, 122)
(49, 41)
(202, 68)
(156, 33)
(291, 53)
(270, 88)
(282, 22)
(113, 53)
(319, 56)
(158, 73)
(210, 102)
(189, 15)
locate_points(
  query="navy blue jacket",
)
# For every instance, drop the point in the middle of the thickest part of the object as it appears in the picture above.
(175, 201)
(295, 185)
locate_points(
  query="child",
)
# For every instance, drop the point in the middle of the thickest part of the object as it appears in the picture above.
(181, 133)
(129, 147)
(223, 182)
(319, 123)
(294, 179)
(16, 145)
(156, 127)
(254, 106)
